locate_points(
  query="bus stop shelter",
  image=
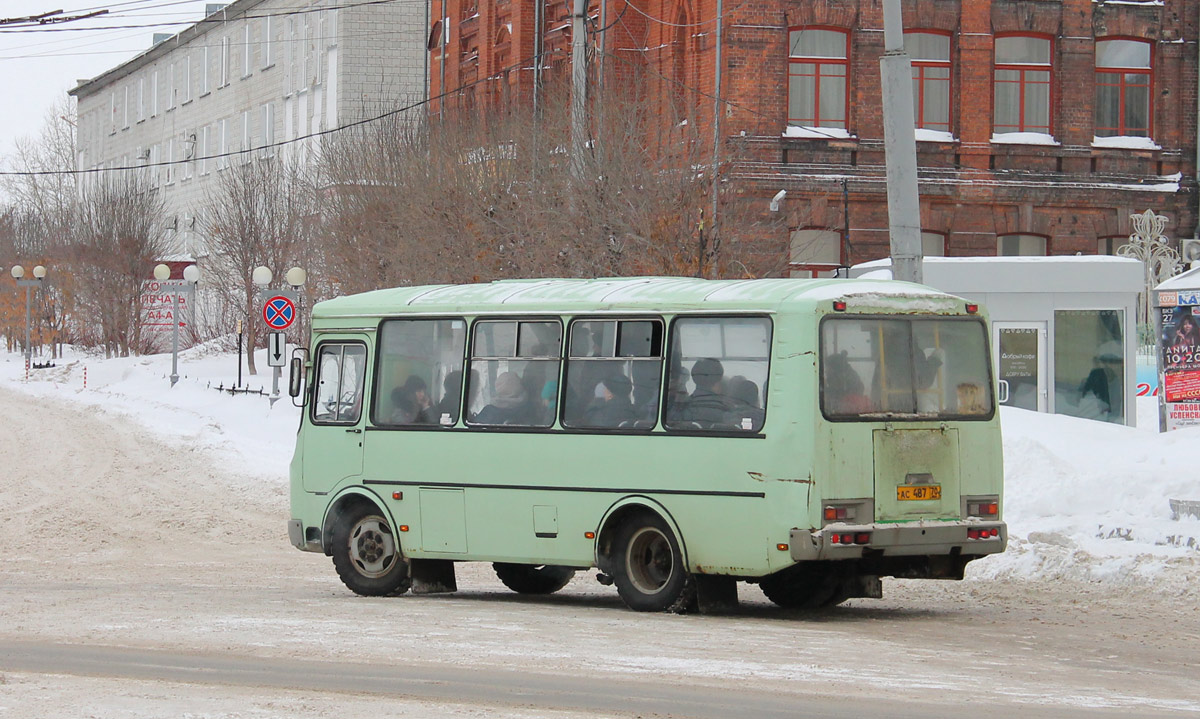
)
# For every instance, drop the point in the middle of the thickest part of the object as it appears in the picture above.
(1064, 329)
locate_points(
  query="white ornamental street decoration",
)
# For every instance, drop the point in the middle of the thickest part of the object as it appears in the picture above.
(1148, 244)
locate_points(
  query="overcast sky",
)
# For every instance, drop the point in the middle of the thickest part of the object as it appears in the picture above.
(38, 68)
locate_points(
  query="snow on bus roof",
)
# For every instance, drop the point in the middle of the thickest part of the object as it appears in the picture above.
(613, 292)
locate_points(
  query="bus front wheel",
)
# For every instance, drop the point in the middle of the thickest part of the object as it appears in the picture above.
(648, 567)
(367, 554)
(531, 579)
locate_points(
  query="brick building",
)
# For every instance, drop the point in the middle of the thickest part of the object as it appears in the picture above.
(249, 75)
(1042, 124)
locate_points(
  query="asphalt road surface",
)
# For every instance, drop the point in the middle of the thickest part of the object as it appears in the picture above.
(142, 579)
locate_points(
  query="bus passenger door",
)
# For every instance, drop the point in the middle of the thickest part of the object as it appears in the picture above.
(334, 432)
(1021, 364)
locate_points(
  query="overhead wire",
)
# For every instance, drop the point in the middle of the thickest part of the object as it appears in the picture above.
(281, 143)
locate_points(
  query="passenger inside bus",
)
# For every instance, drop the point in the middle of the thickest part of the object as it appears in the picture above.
(613, 405)
(747, 412)
(510, 403)
(447, 407)
(844, 389)
(708, 406)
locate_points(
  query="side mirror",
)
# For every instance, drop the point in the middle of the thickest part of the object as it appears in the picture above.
(295, 376)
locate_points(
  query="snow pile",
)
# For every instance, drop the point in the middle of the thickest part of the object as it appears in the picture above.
(1084, 501)
(1090, 501)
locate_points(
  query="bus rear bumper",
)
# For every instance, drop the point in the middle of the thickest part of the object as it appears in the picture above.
(898, 540)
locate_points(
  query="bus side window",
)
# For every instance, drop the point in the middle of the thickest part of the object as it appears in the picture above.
(419, 372)
(340, 373)
(514, 373)
(613, 371)
(717, 377)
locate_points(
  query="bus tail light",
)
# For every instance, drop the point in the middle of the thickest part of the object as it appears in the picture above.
(835, 513)
(972, 309)
(983, 507)
(839, 305)
(986, 533)
(858, 538)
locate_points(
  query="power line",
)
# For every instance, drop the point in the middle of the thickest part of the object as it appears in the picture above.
(211, 19)
(646, 15)
(358, 123)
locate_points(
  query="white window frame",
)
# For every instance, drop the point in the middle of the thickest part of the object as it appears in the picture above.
(154, 94)
(141, 99)
(125, 109)
(225, 51)
(267, 60)
(187, 79)
(268, 130)
(247, 140)
(172, 86)
(204, 150)
(204, 86)
(223, 160)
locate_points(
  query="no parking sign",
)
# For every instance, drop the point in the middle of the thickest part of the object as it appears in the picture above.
(279, 312)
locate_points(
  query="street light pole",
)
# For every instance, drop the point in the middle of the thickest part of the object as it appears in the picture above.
(191, 274)
(18, 273)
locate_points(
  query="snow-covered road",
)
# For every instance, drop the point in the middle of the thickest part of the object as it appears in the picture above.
(113, 538)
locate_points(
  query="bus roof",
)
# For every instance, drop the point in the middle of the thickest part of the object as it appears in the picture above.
(666, 294)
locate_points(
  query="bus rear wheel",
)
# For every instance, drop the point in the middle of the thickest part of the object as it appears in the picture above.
(648, 566)
(533, 579)
(799, 587)
(367, 554)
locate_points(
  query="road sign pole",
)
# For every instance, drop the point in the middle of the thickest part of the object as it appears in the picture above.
(175, 340)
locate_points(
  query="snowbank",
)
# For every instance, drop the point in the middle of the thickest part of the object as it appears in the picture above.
(1085, 501)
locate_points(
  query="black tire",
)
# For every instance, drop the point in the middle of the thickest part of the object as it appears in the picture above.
(533, 579)
(648, 566)
(799, 587)
(367, 554)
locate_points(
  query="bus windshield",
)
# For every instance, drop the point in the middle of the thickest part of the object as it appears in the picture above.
(900, 368)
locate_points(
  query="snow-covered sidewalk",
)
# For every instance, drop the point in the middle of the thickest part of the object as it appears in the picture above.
(1085, 501)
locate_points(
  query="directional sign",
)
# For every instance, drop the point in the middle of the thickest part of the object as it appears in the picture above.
(276, 349)
(279, 312)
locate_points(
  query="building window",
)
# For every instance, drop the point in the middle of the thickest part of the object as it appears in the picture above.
(204, 63)
(1124, 75)
(246, 138)
(223, 159)
(815, 253)
(141, 99)
(204, 150)
(930, 53)
(1110, 245)
(933, 244)
(1021, 245)
(171, 85)
(247, 51)
(187, 79)
(224, 61)
(818, 65)
(1022, 84)
(1089, 364)
(125, 109)
(266, 42)
(154, 95)
(268, 129)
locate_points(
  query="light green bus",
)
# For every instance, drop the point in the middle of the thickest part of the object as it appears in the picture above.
(680, 435)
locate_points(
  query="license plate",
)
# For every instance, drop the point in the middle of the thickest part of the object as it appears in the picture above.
(919, 492)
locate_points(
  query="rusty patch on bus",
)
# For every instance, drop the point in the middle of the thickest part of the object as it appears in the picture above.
(760, 477)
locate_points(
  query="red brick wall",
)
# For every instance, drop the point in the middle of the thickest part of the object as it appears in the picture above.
(972, 190)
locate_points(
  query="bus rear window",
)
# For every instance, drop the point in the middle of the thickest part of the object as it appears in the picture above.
(904, 368)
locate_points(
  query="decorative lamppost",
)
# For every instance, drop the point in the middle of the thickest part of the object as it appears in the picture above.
(279, 311)
(191, 275)
(1148, 244)
(39, 274)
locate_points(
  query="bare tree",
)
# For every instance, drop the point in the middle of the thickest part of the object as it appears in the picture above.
(485, 195)
(118, 238)
(258, 213)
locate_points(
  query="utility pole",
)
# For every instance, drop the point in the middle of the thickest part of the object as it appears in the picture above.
(900, 149)
(578, 88)
(716, 163)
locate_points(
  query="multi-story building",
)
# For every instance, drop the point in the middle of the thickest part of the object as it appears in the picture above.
(240, 84)
(1042, 124)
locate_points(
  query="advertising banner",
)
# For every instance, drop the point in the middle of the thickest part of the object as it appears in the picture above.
(1179, 323)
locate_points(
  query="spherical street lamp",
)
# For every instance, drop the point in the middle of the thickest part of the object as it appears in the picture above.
(162, 272)
(262, 276)
(296, 276)
(18, 272)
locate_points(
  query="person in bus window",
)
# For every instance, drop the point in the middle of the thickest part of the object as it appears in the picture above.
(708, 406)
(404, 406)
(845, 392)
(746, 410)
(416, 388)
(447, 407)
(510, 403)
(614, 404)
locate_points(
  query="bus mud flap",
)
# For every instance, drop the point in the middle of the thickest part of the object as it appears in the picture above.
(715, 595)
(432, 576)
